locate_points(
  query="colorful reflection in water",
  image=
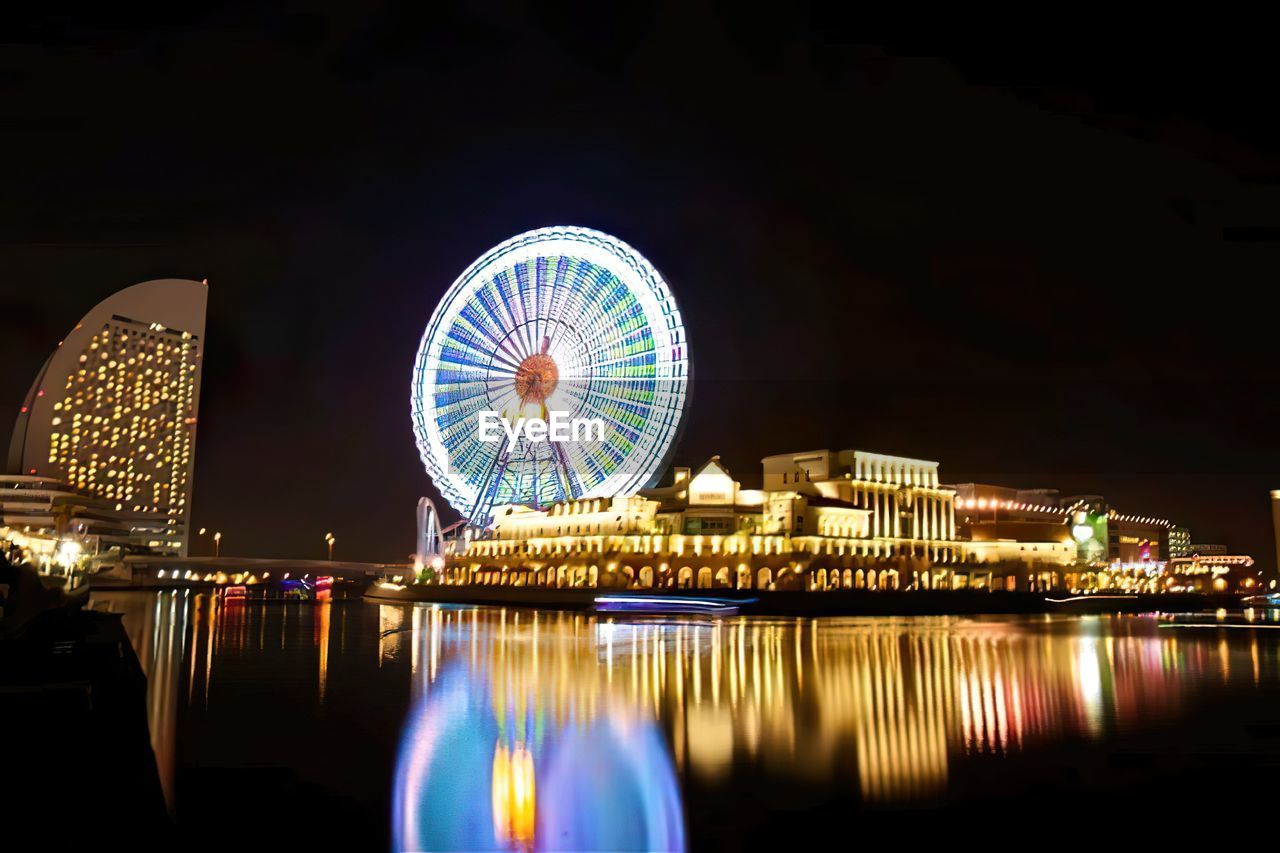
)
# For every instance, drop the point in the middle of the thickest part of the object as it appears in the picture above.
(899, 700)
(518, 740)
(541, 730)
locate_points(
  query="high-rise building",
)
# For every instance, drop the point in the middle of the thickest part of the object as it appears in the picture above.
(113, 411)
(1179, 541)
(1275, 524)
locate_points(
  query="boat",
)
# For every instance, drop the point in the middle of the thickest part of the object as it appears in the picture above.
(669, 605)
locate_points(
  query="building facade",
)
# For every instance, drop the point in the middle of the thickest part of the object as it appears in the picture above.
(113, 411)
(832, 520)
(823, 520)
(1137, 539)
(56, 525)
(1213, 573)
(1001, 524)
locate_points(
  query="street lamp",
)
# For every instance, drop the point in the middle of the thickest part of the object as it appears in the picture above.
(329, 540)
(68, 554)
(202, 532)
(217, 543)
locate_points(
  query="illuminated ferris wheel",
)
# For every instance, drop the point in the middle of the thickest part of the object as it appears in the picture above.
(564, 326)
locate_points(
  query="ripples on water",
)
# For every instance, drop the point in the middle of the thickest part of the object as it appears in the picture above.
(483, 729)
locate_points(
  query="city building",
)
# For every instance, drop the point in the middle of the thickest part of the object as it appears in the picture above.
(113, 411)
(1208, 549)
(911, 515)
(823, 520)
(837, 520)
(1275, 526)
(1179, 541)
(1076, 541)
(57, 525)
(1211, 573)
(1005, 525)
(1137, 539)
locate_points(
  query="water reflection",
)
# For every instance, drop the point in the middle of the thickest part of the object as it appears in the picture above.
(157, 627)
(181, 636)
(520, 741)
(898, 700)
(529, 729)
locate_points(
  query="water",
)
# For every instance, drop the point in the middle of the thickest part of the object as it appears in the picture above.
(481, 728)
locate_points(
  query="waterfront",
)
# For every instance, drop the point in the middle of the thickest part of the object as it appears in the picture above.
(468, 728)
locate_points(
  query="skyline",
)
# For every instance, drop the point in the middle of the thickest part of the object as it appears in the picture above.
(899, 281)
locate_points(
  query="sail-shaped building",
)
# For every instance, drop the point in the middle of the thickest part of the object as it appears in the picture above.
(112, 414)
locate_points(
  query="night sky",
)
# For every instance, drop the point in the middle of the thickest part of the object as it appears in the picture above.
(1041, 264)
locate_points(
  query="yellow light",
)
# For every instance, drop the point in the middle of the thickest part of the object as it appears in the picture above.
(514, 796)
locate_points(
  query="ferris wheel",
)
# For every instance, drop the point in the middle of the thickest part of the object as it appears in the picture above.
(563, 324)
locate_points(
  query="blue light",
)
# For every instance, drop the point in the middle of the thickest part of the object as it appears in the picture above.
(603, 781)
(669, 604)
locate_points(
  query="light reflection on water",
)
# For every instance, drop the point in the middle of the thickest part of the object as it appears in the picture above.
(905, 697)
(527, 729)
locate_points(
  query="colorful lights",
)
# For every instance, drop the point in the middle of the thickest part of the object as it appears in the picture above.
(496, 761)
(600, 328)
(888, 707)
(669, 604)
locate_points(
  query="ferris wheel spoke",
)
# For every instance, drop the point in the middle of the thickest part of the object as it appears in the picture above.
(509, 351)
(500, 371)
(565, 290)
(504, 360)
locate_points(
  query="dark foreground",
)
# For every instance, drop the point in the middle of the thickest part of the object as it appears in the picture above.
(77, 757)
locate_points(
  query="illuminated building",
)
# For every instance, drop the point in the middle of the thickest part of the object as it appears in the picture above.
(1135, 539)
(1179, 542)
(40, 514)
(910, 514)
(1275, 525)
(1208, 548)
(112, 412)
(1076, 542)
(1003, 524)
(823, 521)
(1211, 573)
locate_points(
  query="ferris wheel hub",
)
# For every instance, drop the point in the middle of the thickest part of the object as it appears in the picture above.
(536, 378)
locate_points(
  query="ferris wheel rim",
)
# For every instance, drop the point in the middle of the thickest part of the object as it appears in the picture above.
(642, 282)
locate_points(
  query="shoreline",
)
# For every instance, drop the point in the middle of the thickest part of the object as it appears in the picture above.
(832, 603)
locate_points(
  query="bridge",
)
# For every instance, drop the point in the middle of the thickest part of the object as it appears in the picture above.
(139, 569)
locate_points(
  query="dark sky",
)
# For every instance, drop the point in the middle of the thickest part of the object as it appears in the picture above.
(1041, 263)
